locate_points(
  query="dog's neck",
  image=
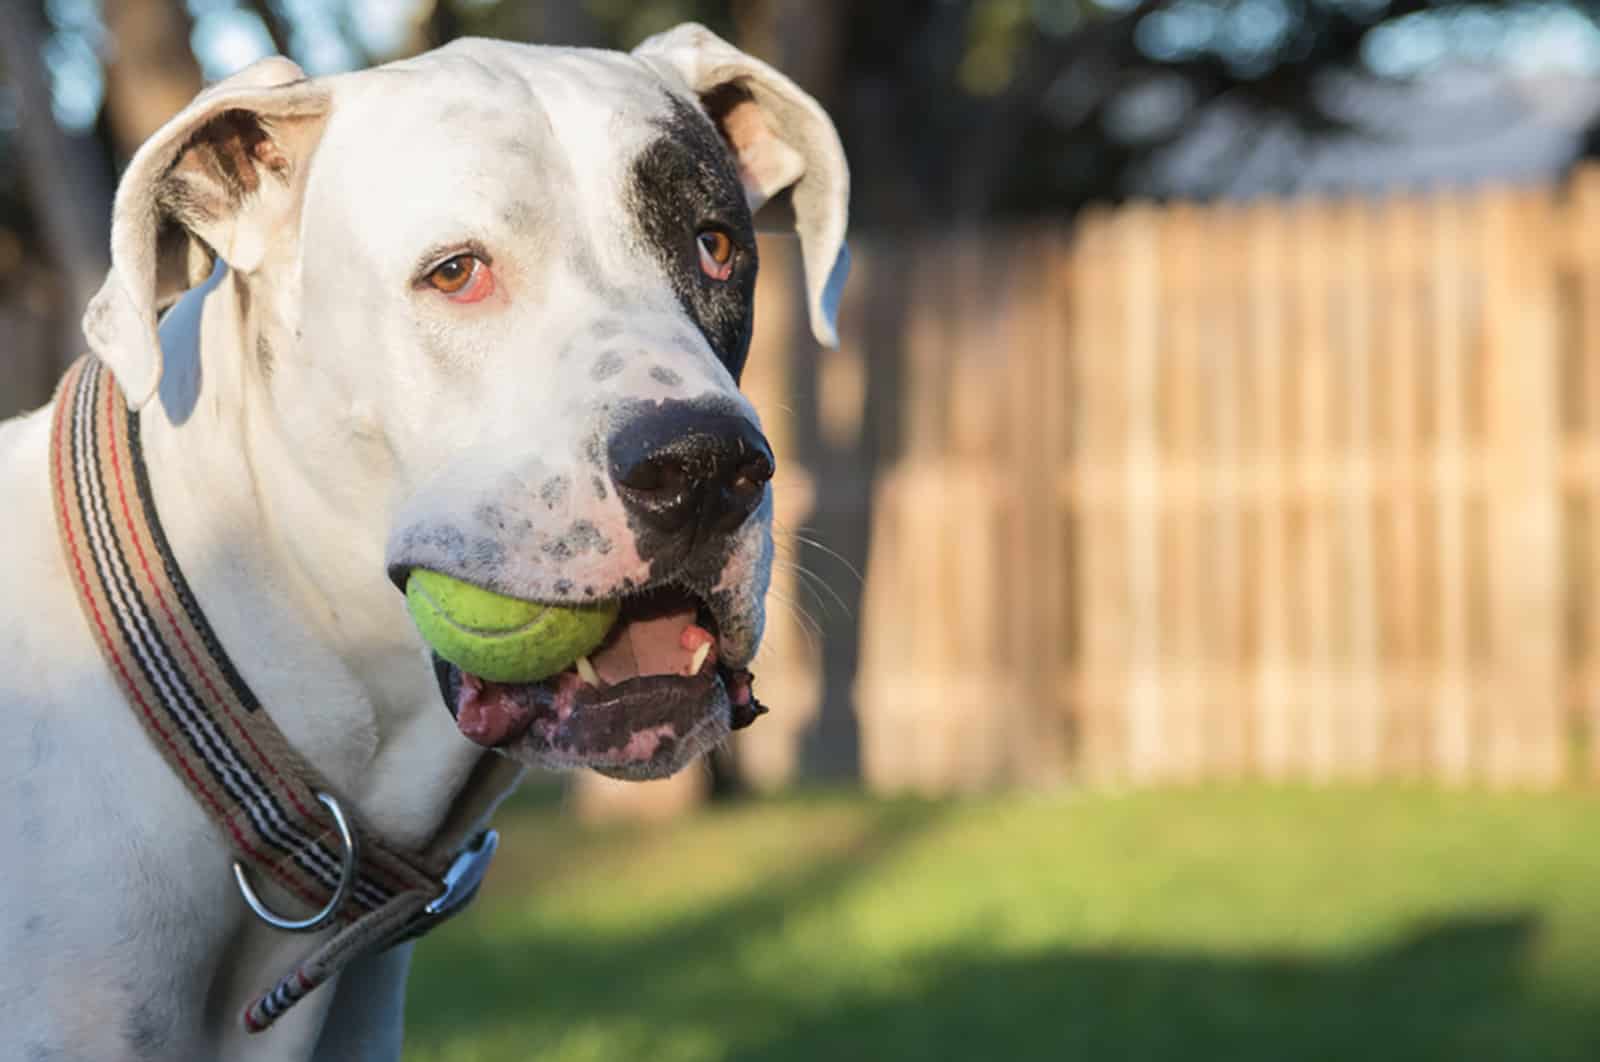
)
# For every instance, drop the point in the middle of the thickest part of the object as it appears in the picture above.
(289, 571)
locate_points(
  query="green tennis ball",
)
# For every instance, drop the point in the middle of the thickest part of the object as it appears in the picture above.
(499, 638)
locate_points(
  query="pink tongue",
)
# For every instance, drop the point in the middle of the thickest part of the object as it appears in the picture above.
(486, 715)
(660, 645)
(655, 646)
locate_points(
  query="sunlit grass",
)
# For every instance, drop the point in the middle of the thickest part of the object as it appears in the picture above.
(1245, 924)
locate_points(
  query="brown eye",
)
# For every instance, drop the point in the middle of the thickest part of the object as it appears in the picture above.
(463, 278)
(716, 254)
(451, 275)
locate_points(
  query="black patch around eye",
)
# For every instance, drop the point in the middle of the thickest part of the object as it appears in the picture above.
(684, 179)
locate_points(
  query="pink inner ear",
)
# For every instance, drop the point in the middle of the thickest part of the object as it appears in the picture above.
(767, 165)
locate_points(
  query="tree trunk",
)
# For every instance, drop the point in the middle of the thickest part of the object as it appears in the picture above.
(804, 39)
(65, 174)
(799, 37)
(151, 74)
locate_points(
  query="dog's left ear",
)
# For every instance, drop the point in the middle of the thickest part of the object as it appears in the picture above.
(781, 138)
(221, 179)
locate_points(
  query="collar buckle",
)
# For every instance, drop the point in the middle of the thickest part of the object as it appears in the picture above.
(466, 873)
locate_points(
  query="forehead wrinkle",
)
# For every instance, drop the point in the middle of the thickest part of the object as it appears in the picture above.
(455, 189)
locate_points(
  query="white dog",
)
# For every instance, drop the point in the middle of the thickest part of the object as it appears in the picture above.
(484, 312)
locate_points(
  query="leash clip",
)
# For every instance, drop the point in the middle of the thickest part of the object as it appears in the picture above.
(347, 881)
(466, 873)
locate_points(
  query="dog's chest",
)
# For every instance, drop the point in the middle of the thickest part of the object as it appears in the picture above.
(113, 904)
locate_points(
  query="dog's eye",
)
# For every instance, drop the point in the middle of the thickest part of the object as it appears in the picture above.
(465, 278)
(452, 275)
(716, 254)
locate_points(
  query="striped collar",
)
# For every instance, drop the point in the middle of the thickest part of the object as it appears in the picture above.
(270, 806)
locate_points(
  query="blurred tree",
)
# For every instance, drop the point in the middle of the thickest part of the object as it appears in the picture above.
(953, 110)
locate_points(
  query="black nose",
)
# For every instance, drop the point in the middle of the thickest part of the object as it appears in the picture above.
(688, 472)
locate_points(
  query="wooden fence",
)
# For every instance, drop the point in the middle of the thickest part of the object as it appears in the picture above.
(1291, 490)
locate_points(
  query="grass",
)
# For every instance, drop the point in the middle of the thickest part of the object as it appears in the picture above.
(1241, 924)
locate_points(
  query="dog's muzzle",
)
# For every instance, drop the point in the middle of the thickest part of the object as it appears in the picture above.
(671, 678)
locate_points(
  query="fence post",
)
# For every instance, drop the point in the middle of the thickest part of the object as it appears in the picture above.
(1583, 224)
(1037, 564)
(1100, 601)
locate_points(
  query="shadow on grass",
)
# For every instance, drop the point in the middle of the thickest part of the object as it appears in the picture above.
(1451, 992)
(699, 987)
(469, 981)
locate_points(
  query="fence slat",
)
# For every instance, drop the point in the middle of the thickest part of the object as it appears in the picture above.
(1101, 610)
(1400, 592)
(1316, 704)
(1174, 424)
(1222, 565)
(1523, 508)
(1364, 710)
(1451, 310)
(1138, 279)
(1274, 728)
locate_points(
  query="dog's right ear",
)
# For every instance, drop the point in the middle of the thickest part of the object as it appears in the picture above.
(221, 179)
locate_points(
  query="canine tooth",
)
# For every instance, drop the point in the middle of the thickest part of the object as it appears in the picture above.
(700, 655)
(587, 672)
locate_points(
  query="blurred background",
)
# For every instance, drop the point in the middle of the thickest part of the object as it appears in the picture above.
(1184, 641)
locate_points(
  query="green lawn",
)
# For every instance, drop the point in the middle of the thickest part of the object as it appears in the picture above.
(1240, 924)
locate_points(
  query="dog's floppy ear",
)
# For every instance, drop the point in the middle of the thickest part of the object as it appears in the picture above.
(781, 138)
(218, 180)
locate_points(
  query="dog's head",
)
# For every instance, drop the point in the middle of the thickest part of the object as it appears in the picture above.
(519, 282)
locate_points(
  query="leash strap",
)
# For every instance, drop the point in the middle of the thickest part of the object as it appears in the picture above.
(204, 719)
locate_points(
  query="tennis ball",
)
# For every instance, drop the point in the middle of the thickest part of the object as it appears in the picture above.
(499, 638)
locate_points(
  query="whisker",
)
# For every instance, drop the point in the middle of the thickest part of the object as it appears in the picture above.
(782, 566)
(817, 545)
(812, 581)
(803, 616)
(822, 582)
(784, 531)
(809, 627)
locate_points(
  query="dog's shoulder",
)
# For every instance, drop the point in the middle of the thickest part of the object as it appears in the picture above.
(40, 619)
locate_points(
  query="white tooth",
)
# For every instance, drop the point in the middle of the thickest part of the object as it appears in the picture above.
(700, 655)
(587, 672)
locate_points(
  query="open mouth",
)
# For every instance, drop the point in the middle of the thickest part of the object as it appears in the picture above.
(654, 694)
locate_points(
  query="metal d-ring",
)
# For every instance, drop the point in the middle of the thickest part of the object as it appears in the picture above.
(347, 881)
